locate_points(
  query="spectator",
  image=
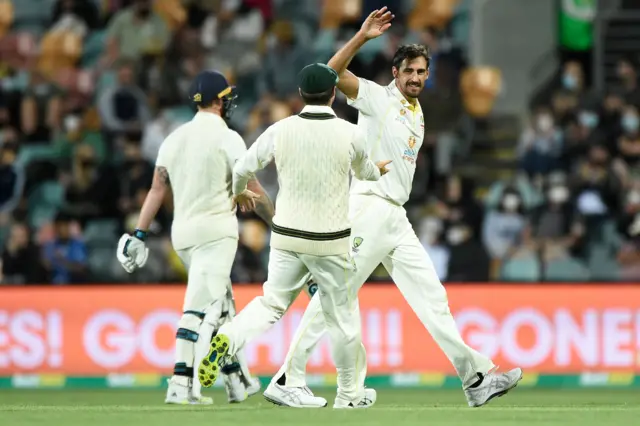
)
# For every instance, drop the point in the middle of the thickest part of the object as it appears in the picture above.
(92, 191)
(629, 227)
(627, 74)
(135, 175)
(135, 32)
(123, 107)
(573, 80)
(595, 184)
(582, 135)
(11, 178)
(283, 60)
(628, 165)
(613, 106)
(251, 261)
(431, 231)
(459, 205)
(464, 246)
(65, 257)
(41, 109)
(503, 227)
(83, 11)
(21, 258)
(540, 145)
(155, 133)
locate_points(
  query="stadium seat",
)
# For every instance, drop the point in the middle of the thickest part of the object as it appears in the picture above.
(521, 269)
(93, 49)
(568, 269)
(337, 12)
(32, 16)
(44, 203)
(480, 87)
(100, 231)
(431, 13)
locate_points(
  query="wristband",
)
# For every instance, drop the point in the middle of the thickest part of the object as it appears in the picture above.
(140, 234)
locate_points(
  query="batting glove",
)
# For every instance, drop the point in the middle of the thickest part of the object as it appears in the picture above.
(132, 251)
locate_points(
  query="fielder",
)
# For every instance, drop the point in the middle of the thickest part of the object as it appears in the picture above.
(196, 161)
(381, 232)
(314, 153)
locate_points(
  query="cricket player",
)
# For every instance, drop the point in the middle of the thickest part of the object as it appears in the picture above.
(196, 162)
(381, 232)
(314, 153)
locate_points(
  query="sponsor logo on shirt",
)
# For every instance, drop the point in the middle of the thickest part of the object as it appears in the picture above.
(410, 154)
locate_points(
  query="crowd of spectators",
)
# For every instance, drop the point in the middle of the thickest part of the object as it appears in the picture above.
(89, 90)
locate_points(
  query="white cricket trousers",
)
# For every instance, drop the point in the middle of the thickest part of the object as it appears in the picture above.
(381, 233)
(209, 270)
(337, 300)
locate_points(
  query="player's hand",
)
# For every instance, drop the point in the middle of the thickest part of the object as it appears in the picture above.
(246, 201)
(382, 166)
(376, 23)
(132, 253)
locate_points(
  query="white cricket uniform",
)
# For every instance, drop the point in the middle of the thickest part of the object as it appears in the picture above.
(381, 233)
(199, 157)
(314, 153)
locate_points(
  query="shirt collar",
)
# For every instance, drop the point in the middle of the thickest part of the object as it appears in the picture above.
(398, 94)
(203, 115)
(318, 109)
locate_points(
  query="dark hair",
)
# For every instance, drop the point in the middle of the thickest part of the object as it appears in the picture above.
(410, 52)
(321, 98)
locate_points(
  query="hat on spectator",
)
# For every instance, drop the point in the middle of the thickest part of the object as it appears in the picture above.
(317, 78)
(209, 86)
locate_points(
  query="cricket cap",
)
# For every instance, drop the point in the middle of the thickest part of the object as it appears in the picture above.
(209, 86)
(317, 78)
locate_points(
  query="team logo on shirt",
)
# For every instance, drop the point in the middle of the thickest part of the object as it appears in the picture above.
(403, 111)
(410, 154)
(357, 241)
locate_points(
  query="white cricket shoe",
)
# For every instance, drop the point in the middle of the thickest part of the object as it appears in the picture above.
(301, 397)
(493, 385)
(367, 401)
(180, 394)
(252, 385)
(236, 392)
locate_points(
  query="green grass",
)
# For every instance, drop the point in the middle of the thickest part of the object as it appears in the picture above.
(394, 408)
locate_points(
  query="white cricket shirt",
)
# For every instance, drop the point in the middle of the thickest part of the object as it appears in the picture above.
(314, 152)
(199, 156)
(395, 130)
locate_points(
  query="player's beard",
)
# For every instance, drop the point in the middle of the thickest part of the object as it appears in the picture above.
(412, 90)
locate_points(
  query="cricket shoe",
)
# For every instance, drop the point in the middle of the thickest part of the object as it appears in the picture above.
(301, 397)
(180, 394)
(367, 401)
(252, 384)
(492, 385)
(236, 391)
(210, 365)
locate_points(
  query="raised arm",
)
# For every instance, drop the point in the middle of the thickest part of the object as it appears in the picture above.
(374, 26)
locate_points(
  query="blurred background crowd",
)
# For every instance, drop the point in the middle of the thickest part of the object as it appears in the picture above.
(90, 88)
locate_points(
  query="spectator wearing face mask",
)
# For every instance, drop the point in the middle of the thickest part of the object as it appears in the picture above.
(65, 257)
(41, 109)
(21, 258)
(459, 204)
(540, 145)
(468, 261)
(627, 166)
(503, 226)
(430, 234)
(581, 135)
(136, 31)
(596, 188)
(611, 117)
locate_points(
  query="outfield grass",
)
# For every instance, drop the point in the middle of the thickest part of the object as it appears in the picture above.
(394, 408)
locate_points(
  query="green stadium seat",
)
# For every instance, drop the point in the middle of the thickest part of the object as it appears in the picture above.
(568, 269)
(520, 269)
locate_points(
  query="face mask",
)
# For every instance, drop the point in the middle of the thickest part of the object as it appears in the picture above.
(455, 236)
(630, 123)
(545, 123)
(511, 202)
(569, 81)
(558, 194)
(41, 89)
(588, 119)
(72, 123)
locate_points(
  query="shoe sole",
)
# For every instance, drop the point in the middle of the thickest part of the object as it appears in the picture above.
(501, 393)
(209, 367)
(274, 401)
